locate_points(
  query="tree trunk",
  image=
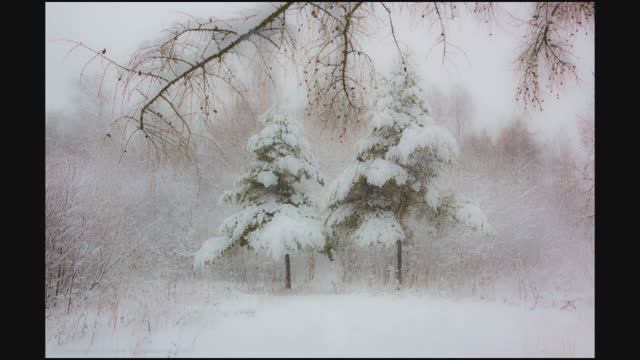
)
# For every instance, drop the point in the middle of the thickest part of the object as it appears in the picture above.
(400, 216)
(55, 301)
(399, 263)
(73, 275)
(59, 280)
(312, 266)
(287, 264)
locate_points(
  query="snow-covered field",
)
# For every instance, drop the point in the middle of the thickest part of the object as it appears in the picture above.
(202, 319)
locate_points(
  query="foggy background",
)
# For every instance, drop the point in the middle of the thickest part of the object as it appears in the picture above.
(123, 222)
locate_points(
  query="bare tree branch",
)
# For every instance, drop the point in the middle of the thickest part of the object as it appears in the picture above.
(176, 82)
(547, 42)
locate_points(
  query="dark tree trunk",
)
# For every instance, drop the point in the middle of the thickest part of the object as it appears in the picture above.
(287, 264)
(73, 276)
(59, 280)
(400, 216)
(399, 262)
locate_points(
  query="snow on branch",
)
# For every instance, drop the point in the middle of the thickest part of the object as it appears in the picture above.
(435, 140)
(210, 250)
(276, 217)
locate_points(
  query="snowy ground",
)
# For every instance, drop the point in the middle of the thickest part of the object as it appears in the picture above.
(211, 321)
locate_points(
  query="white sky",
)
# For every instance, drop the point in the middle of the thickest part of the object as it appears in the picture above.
(486, 69)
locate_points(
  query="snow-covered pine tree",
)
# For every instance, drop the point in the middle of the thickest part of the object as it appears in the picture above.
(395, 171)
(276, 217)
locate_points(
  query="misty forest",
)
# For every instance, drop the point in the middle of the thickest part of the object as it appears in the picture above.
(320, 179)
